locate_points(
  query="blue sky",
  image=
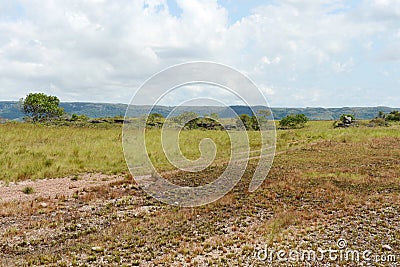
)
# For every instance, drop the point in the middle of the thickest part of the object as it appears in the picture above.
(298, 52)
(237, 9)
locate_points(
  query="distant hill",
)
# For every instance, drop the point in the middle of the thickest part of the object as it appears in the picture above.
(9, 110)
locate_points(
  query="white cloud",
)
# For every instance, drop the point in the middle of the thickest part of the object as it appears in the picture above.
(346, 66)
(102, 51)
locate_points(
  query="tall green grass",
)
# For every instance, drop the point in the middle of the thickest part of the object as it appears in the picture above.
(30, 151)
(315, 131)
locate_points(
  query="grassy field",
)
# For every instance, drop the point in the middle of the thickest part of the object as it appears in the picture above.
(35, 151)
(325, 184)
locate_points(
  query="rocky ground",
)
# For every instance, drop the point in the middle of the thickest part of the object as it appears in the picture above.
(338, 200)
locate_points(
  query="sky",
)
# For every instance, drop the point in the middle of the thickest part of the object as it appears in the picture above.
(299, 53)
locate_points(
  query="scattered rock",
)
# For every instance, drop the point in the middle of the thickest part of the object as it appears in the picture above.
(97, 249)
(387, 247)
(141, 211)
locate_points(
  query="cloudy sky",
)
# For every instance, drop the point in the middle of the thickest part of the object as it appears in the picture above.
(298, 52)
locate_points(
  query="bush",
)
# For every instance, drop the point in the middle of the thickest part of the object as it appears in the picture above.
(187, 119)
(246, 121)
(155, 120)
(28, 190)
(378, 122)
(294, 121)
(82, 117)
(393, 116)
(253, 122)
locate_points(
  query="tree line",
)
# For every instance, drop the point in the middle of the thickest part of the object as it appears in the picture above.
(39, 107)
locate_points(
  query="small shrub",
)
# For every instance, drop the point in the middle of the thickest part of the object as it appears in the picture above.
(294, 121)
(82, 118)
(393, 116)
(378, 122)
(28, 190)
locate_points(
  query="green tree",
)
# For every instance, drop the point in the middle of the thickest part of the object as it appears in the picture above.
(264, 113)
(294, 121)
(253, 122)
(188, 119)
(381, 114)
(262, 118)
(208, 123)
(214, 116)
(155, 120)
(393, 116)
(246, 120)
(40, 107)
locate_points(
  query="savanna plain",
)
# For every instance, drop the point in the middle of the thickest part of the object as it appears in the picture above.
(68, 199)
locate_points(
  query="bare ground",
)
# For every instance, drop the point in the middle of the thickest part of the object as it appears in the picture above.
(52, 188)
(313, 198)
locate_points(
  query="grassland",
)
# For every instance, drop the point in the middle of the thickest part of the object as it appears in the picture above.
(30, 151)
(325, 184)
(36, 151)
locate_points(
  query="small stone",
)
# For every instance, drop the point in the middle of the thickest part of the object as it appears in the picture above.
(43, 204)
(97, 249)
(387, 247)
(79, 225)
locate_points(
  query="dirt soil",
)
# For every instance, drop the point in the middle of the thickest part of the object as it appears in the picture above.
(52, 188)
(326, 196)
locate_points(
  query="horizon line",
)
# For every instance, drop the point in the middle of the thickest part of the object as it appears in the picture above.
(232, 105)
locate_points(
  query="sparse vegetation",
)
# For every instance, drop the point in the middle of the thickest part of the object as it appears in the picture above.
(75, 117)
(28, 190)
(378, 122)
